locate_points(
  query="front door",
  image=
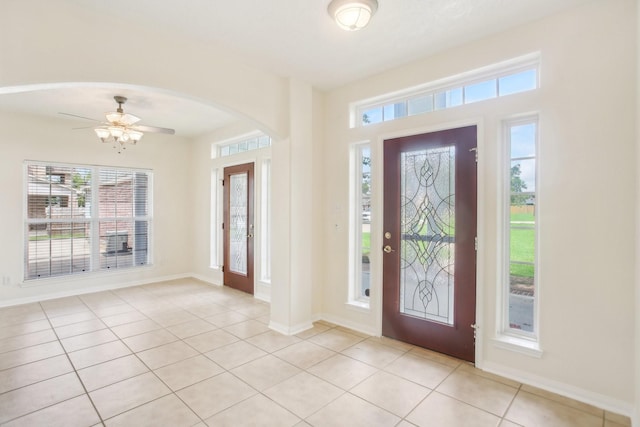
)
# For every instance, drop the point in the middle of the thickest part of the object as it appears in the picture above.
(238, 227)
(429, 267)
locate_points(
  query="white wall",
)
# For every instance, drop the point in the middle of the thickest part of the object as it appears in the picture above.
(587, 167)
(30, 138)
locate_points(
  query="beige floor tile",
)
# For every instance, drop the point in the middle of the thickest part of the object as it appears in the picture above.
(317, 328)
(390, 342)
(188, 372)
(21, 314)
(477, 391)
(609, 423)
(247, 329)
(63, 306)
(28, 399)
(273, 341)
(128, 394)
(264, 319)
(255, 411)
(31, 373)
(191, 328)
(335, 340)
(255, 311)
(226, 318)
(303, 394)
(70, 319)
(98, 354)
(373, 354)
(101, 299)
(211, 340)
(111, 372)
(436, 357)
(27, 340)
(235, 354)
(171, 318)
(392, 393)
(405, 423)
(216, 394)
(442, 411)
(166, 354)
(265, 372)
(304, 354)
(532, 410)
(207, 310)
(349, 410)
(91, 339)
(507, 423)
(26, 355)
(76, 412)
(113, 310)
(79, 328)
(618, 419)
(123, 318)
(564, 400)
(342, 371)
(420, 370)
(469, 368)
(135, 328)
(23, 328)
(148, 340)
(166, 411)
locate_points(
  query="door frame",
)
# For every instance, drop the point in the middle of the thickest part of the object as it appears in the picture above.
(377, 224)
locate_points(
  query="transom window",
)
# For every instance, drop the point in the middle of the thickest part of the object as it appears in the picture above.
(518, 75)
(85, 218)
(245, 144)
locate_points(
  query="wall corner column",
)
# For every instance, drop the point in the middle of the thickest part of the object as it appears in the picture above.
(293, 207)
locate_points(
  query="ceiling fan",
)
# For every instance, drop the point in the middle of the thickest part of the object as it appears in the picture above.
(121, 128)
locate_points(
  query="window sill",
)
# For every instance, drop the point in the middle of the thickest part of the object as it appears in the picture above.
(518, 345)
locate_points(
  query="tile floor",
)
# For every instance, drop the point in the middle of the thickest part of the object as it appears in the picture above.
(184, 353)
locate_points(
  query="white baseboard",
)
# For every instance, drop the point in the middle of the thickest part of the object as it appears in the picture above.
(589, 397)
(82, 291)
(290, 330)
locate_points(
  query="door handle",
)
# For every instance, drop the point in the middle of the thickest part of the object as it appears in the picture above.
(388, 249)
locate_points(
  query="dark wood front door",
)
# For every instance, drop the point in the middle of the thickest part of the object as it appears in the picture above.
(238, 227)
(429, 267)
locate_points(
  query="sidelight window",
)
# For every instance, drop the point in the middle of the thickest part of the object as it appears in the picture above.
(521, 225)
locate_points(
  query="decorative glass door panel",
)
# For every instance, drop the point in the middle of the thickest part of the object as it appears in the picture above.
(429, 260)
(238, 227)
(427, 233)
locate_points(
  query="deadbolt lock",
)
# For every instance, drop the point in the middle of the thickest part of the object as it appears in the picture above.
(387, 235)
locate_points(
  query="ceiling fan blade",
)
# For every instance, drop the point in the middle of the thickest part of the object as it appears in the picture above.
(83, 127)
(153, 129)
(81, 117)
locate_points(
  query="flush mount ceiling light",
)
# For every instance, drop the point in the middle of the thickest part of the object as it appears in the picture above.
(352, 15)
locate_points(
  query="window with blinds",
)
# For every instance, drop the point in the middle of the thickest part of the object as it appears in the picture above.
(85, 218)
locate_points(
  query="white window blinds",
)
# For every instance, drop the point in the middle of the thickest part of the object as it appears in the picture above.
(85, 218)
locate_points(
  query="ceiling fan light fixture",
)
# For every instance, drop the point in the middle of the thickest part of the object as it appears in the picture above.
(103, 134)
(116, 132)
(352, 15)
(135, 136)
